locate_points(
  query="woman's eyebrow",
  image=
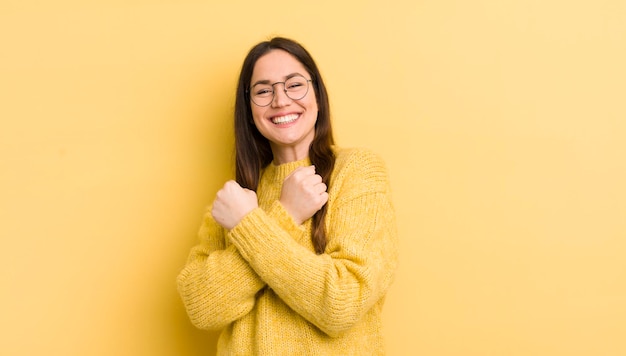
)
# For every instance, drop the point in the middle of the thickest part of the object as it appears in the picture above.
(266, 81)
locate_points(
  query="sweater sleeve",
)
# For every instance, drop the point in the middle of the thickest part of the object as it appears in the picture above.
(335, 289)
(217, 285)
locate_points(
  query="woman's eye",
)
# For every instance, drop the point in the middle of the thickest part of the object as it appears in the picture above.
(263, 92)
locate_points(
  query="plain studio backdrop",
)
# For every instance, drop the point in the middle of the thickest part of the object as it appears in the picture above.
(503, 124)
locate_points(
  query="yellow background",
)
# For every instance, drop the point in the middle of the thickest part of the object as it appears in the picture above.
(502, 122)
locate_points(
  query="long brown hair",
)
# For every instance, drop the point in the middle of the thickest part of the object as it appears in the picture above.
(252, 150)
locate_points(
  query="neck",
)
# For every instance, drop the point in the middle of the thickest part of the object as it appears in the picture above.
(286, 154)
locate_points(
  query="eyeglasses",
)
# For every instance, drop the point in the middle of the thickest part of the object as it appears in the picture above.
(296, 88)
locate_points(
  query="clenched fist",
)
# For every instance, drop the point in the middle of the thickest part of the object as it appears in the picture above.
(303, 193)
(232, 203)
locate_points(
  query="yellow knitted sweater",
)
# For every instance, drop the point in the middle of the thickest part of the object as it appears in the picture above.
(265, 287)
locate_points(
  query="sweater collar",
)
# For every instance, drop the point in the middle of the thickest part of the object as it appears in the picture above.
(278, 173)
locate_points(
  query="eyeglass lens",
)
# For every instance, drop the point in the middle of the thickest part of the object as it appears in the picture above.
(295, 88)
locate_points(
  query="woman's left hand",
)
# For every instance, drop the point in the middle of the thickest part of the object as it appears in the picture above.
(232, 203)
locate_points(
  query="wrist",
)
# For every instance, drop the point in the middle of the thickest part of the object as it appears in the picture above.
(291, 214)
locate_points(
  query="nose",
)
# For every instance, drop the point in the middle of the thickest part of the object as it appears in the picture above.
(280, 96)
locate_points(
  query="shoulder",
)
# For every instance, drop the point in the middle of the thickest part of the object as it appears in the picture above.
(358, 169)
(358, 159)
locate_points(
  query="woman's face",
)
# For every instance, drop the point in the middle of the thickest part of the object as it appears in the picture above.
(288, 124)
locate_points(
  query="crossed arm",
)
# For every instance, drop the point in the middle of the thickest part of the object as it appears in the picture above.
(332, 290)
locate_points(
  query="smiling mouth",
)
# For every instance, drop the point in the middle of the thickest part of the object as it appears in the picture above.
(280, 120)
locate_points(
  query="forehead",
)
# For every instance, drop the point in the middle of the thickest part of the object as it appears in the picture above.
(276, 65)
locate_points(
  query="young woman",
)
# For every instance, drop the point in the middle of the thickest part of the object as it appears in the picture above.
(296, 255)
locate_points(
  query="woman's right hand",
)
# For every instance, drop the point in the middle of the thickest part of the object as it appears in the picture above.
(303, 193)
(232, 203)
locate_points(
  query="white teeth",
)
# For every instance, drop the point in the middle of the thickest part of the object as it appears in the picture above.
(285, 119)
